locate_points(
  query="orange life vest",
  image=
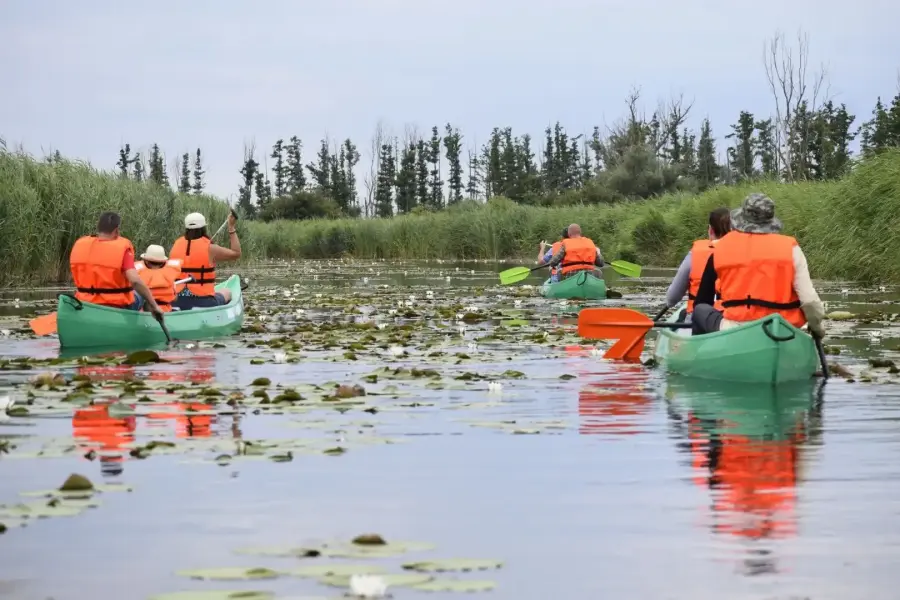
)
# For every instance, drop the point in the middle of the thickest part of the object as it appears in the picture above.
(161, 282)
(700, 253)
(97, 271)
(580, 255)
(194, 257)
(553, 250)
(756, 277)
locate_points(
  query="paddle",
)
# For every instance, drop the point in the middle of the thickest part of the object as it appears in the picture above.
(46, 324)
(219, 230)
(517, 274)
(821, 351)
(623, 324)
(159, 319)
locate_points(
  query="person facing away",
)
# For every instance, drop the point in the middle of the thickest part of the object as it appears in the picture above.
(759, 272)
(199, 256)
(160, 274)
(687, 278)
(545, 254)
(577, 253)
(103, 269)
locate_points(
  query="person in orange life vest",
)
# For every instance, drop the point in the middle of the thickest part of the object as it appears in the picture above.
(687, 278)
(758, 272)
(545, 254)
(103, 269)
(160, 275)
(576, 254)
(199, 256)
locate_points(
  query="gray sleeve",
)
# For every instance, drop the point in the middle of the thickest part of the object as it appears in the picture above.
(557, 258)
(681, 282)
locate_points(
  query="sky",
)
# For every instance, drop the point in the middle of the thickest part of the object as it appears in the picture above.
(86, 77)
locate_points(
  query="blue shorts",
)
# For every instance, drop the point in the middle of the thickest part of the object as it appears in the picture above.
(189, 302)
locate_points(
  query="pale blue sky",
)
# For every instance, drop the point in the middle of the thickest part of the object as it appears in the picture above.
(85, 76)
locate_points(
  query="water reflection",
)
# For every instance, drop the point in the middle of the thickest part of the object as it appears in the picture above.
(747, 446)
(615, 404)
(102, 436)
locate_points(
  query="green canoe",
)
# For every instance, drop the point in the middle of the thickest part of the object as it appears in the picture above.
(768, 350)
(86, 325)
(584, 285)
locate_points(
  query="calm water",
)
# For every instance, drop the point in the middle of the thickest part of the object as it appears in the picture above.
(588, 479)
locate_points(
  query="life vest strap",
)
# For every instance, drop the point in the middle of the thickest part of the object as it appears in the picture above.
(575, 263)
(93, 290)
(750, 301)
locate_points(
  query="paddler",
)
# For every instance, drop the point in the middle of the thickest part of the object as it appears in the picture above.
(160, 274)
(687, 279)
(758, 272)
(103, 269)
(577, 254)
(545, 254)
(199, 256)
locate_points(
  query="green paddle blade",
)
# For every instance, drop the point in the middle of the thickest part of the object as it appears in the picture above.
(625, 268)
(514, 275)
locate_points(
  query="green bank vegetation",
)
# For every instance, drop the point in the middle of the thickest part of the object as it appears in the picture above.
(848, 227)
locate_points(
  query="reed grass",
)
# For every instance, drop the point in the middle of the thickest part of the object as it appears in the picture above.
(848, 228)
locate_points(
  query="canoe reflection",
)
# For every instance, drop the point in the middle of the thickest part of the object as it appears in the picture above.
(615, 403)
(108, 436)
(746, 444)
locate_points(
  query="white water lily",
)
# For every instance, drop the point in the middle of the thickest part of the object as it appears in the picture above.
(527, 286)
(882, 288)
(5, 332)
(367, 586)
(517, 303)
(495, 387)
(471, 271)
(429, 294)
(396, 350)
(461, 329)
(382, 325)
(845, 292)
(595, 352)
(408, 304)
(457, 268)
(472, 309)
(448, 279)
(318, 295)
(392, 311)
(459, 316)
(365, 280)
(874, 335)
(190, 346)
(473, 346)
(272, 292)
(301, 311)
(263, 317)
(279, 357)
(563, 303)
(287, 293)
(5, 404)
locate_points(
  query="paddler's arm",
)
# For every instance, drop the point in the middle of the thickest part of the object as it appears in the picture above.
(707, 292)
(598, 260)
(218, 253)
(810, 303)
(557, 258)
(680, 283)
(541, 252)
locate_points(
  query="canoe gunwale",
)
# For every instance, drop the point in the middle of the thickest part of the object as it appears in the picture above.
(550, 289)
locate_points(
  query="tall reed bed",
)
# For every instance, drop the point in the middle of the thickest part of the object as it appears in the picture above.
(45, 207)
(848, 228)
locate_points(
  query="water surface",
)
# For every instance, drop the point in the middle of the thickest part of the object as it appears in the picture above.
(585, 477)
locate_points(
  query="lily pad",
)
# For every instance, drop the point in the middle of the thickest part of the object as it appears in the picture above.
(142, 357)
(216, 595)
(375, 551)
(231, 573)
(340, 569)
(455, 585)
(280, 551)
(454, 564)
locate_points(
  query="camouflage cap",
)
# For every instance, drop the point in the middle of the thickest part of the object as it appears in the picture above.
(756, 215)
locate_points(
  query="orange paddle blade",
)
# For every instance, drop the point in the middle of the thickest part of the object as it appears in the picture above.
(44, 325)
(623, 324)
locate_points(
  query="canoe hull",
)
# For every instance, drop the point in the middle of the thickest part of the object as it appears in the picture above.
(86, 325)
(582, 286)
(745, 354)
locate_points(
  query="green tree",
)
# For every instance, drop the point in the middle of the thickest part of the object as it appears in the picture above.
(406, 178)
(296, 177)
(263, 190)
(184, 182)
(124, 161)
(248, 177)
(708, 170)
(351, 158)
(138, 165)
(453, 148)
(742, 155)
(279, 170)
(158, 167)
(421, 173)
(766, 149)
(435, 183)
(384, 190)
(198, 174)
(321, 169)
(475, 180)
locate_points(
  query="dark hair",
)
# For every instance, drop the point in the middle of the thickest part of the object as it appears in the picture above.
(195, 234)
(565, 233)
(108, 222)
(720, 221)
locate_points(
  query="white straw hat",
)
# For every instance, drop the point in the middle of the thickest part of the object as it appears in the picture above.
(155, 253)
(194, 221)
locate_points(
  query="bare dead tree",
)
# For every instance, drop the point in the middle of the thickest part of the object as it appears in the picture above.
(671, 115)
(370, 179)
(792, 87)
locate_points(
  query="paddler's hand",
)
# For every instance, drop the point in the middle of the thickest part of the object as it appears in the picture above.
(232, 221)
(156, 312)
(543, 246)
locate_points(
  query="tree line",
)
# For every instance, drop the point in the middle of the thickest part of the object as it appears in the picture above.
(809, 137)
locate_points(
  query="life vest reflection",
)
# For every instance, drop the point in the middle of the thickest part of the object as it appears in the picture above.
(613, 402)
(107, 436)
(747, 446)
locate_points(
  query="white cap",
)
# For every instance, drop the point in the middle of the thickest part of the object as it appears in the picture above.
(194, 221)
(155, 253)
